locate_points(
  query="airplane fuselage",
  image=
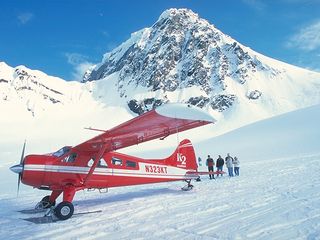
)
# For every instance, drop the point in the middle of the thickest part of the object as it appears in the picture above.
(95, 164)
(114, 169)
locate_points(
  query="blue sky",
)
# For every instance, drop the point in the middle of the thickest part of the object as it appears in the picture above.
(63, 37)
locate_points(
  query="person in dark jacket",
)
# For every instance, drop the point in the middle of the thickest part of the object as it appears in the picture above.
(210, 164)
(219, 164)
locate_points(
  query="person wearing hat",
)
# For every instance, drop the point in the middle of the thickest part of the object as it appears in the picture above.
(210, 164)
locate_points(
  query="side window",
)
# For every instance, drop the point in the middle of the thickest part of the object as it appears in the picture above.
(90, 162)
(70, 158)
(116, 161)
(102, 163)
(130, 164)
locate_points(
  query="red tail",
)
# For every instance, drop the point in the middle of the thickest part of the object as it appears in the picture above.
(183, 157)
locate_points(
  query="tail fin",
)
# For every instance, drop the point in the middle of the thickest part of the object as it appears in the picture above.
(183, 157)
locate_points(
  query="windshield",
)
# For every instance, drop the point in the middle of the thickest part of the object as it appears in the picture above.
(61, 151)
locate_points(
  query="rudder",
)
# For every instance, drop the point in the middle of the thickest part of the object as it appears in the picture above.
(184, 156)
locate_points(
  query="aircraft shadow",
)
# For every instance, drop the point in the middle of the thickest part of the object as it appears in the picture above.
(127, 196)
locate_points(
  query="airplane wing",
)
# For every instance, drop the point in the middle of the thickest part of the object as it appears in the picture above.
(158, 123)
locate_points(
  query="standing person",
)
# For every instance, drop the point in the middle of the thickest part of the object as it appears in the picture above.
(229, 164)
(236, 165)
(210, 164)
(219, 164)
(198, 179)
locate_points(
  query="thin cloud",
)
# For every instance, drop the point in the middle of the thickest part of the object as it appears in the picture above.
(75, 58)
(24, 18)
(255, 4)
(307, 38)
(105, 34)
(301, 1)
(80, 64)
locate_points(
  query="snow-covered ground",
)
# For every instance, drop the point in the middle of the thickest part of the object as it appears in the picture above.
(276, 195)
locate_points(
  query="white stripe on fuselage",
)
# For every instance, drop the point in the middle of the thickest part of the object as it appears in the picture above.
(157, 171)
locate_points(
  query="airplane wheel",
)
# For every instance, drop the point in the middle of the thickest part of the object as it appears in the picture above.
(64, 210)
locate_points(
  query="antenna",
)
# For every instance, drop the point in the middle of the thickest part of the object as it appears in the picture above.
(95, 129)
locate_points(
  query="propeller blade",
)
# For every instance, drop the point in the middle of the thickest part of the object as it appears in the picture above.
(19, 180)
(21, 163)
(22, 155)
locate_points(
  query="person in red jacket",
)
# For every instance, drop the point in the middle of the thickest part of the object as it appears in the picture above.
(210, 164)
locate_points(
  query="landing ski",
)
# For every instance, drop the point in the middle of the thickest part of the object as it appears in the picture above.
(32, 211)
(52, 219)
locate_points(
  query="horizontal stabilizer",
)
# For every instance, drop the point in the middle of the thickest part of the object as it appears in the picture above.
(195, 174)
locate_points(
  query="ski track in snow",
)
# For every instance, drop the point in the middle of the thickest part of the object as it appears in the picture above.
(271, 199)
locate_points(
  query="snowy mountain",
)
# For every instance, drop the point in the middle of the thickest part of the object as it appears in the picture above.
(183, 58)
(35, 89)
(34, 105)
(180, 58)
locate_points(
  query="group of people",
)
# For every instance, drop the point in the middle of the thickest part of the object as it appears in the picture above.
(232, 163)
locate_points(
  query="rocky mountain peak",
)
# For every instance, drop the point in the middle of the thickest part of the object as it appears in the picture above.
(179, 51)
(181, 16)
(184, 58)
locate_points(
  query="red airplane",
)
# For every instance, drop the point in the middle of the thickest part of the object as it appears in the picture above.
(94, 164)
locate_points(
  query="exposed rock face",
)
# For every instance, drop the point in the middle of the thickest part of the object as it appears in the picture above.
(222, 102)
(145, 105)
(254, 94)
(180, 51)
(199, 101)
(31, 83)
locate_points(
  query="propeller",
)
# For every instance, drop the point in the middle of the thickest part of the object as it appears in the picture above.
(19, 167)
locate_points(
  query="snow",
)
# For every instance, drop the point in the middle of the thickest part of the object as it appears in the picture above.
(182, 111)
(174, 11)
(120, 50)
(276, 195)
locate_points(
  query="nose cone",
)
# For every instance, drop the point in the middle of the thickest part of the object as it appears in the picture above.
(17, 168)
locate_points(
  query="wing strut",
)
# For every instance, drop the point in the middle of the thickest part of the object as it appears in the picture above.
(95, 163)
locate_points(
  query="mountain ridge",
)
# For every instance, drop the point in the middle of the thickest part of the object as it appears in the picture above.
(183, 58)
(180, 58)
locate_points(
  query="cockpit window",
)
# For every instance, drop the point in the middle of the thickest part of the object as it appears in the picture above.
(71, 158)
(61, 151)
